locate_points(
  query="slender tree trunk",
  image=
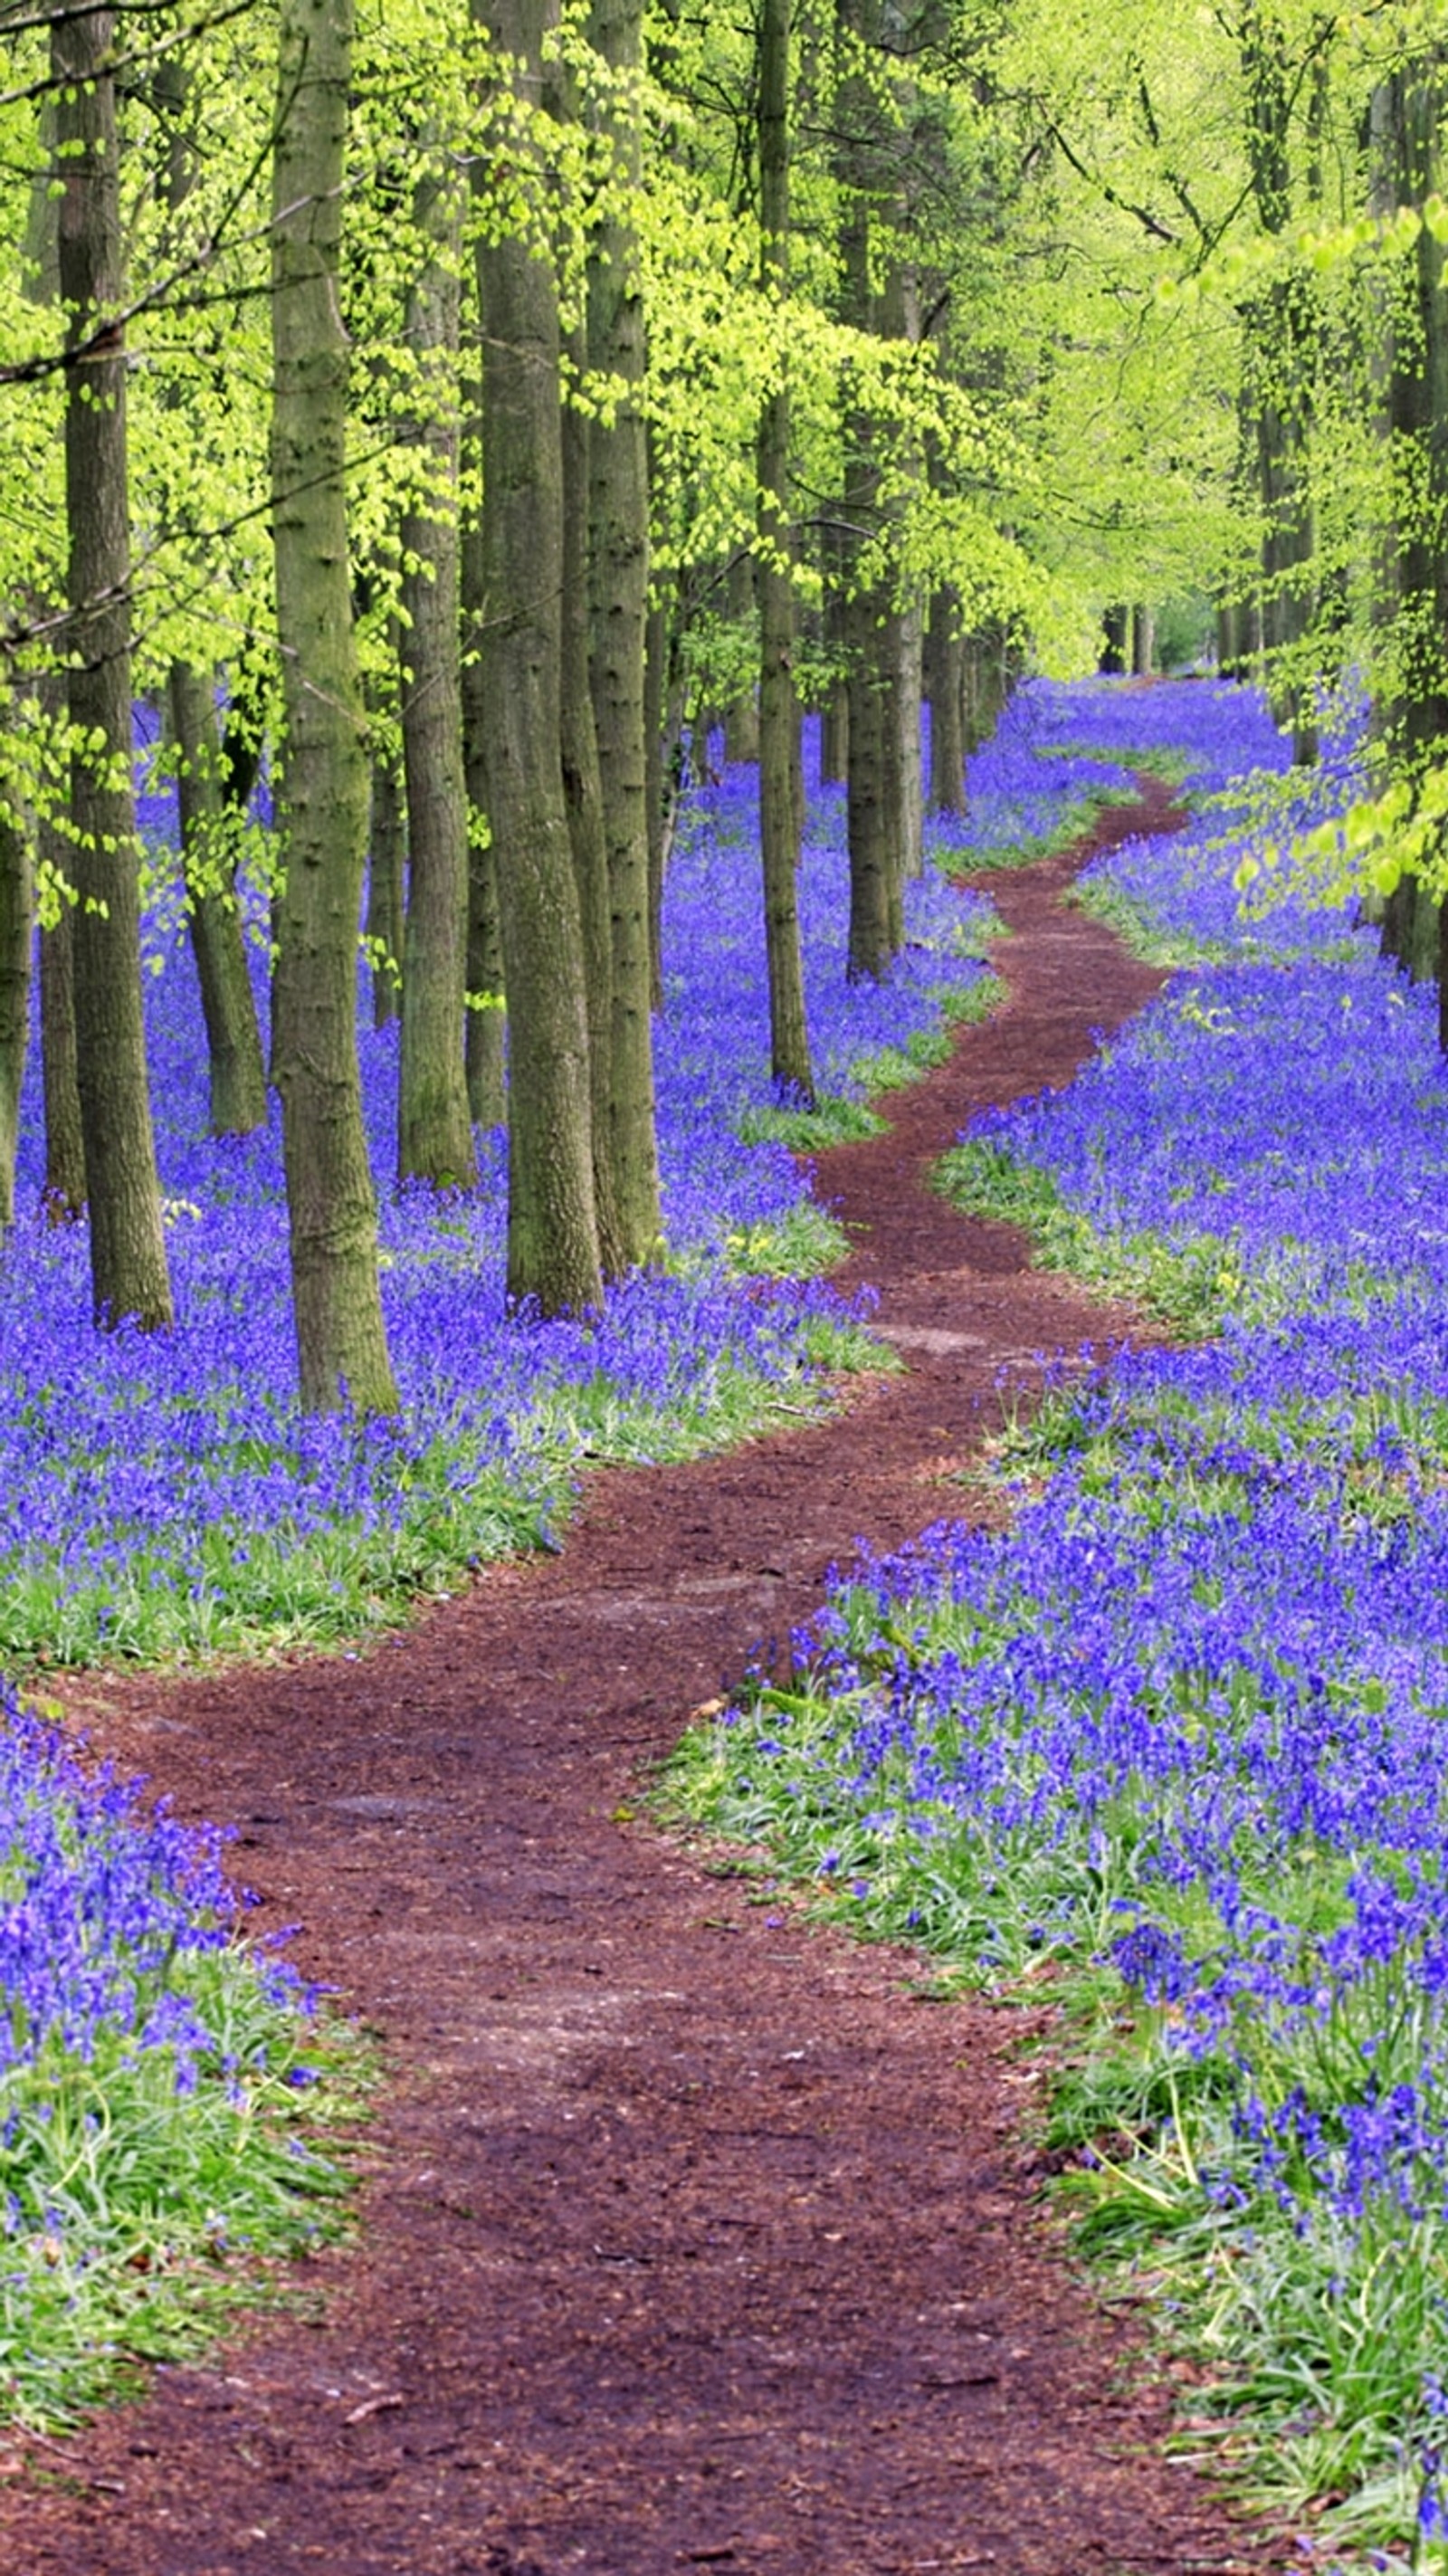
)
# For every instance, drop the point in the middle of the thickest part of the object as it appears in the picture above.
(434, 1129)
(618, 578)
(1415, 717)
(228, 1005)
(583, 794)
(127, 1242)
(386, 873)
(945, 660)
(485, 1048)
(341, 1342)
(663, 745)
(778, 705)
(63, 1196)
(552, 1236)
(911, 701)
(17, 920)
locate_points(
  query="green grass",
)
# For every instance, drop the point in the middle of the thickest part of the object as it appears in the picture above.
(1189, 1288)
(1145, 936)
(143, 2218)
(1073, 823)
(846, 1119)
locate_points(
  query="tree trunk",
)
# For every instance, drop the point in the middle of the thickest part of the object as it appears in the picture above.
(1143, 642)
(386, 873)
(944, 660)
(1416, 714)
(341, 1343)
(127, 1241)
(552, 1237)
(228, 1005)
(664, 754)
(63, 1195)
(779, 812)
(618, 583)
(434, 1129)
(485, 1049)
(1116, 628)
(17, 916)
(583, 795)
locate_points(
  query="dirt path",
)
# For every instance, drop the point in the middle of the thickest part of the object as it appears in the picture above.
(695, 2241)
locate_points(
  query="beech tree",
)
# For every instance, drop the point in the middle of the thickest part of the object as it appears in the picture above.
(552, 1235)
(129, 1277)
(323, 803)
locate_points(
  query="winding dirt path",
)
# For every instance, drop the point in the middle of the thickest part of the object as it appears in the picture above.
(695, 2241)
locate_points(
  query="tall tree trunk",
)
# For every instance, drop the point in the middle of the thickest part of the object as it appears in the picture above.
(341, 1342)
(1280, 336)
(434, 1129)
(485, 1049)
(583, 794)
(944, 663)
(127, 1241)
(63, 1195)
(664, 755)
(233, 1038)
(1415, 717)
(17, 921)
(552, 1236)
(618, 580)
(386, 871)
(778, 705)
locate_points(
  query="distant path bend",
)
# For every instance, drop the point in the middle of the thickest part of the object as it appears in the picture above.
(694, 2242)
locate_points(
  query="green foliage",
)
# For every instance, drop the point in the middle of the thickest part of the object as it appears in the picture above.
(148, 2215)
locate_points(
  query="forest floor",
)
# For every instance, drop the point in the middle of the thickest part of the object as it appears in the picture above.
(694, 2235)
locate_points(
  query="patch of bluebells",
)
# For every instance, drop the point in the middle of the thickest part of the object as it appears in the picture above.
(174, 1459)
(103, 1904)
(1189, 1716)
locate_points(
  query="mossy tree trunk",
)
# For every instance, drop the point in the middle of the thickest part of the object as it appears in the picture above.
(341, 1342)
(17, 923)
(484, 1051)
(583, 795)
(618, 585)
(552, 1236)
(945, 683)
(434, 1129)
(386, 871)
(129, 1276)
(779, 808)
(236, 1066)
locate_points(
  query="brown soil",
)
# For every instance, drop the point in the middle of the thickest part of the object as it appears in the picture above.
(696, 2237)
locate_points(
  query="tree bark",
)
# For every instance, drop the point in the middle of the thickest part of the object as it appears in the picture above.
(588, 838)
(779, 810)
(236, 1065)
(945, 679)
(386, 873)
(552, 1236)
(485, 1050)
(341, 1342)
(434, 1129)
(129, 1276)
(1415, 717)
(17, 918)
(618, 579)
